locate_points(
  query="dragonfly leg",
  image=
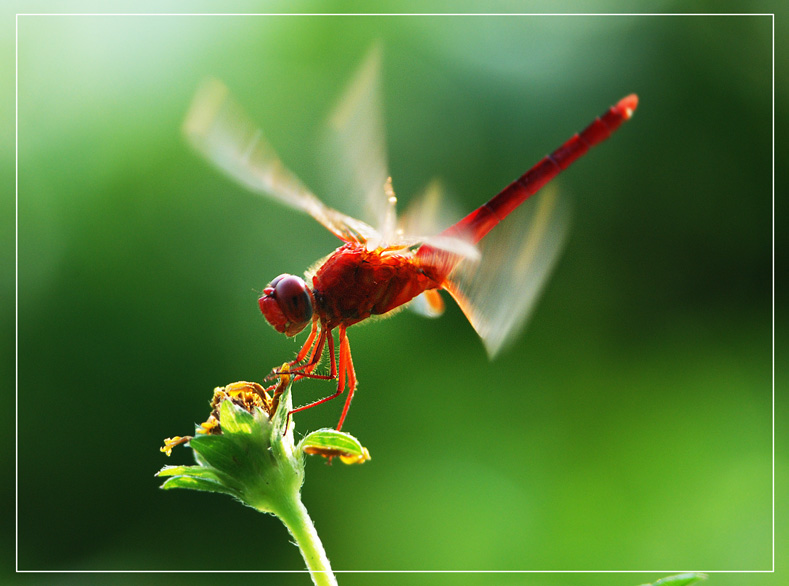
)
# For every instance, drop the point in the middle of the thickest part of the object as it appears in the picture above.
(311, 351)
(305, 370)
(346, 368)
(344, 374)
(314, 355)
(308, 344)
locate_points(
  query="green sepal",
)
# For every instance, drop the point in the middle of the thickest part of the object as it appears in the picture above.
(235, 419)
(195, 471)
(200, 484)
(281, 421)
(199, 472)
(331, 439)
(222, 452)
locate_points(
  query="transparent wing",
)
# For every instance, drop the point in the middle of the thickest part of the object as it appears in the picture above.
(218, 128)
(428, 213)
(428, 304)
(356, 148)
(424, 218)
(498, 292)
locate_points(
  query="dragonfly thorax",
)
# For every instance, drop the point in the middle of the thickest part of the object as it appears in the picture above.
(286, 303)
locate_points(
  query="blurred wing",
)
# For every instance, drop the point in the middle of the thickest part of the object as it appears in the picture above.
(428, 213)
(498, 292)
(357, 149)
(426, 216)
(428, 304)
(222, 132)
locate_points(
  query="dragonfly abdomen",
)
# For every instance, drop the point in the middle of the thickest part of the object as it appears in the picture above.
(482, 220)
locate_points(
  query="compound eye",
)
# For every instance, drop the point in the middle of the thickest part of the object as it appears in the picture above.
(269, 290)
(293, 298)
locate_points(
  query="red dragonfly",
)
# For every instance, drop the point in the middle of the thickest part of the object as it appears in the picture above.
(379, 269)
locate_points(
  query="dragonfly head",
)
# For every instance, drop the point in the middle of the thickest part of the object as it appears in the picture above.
(286, 303)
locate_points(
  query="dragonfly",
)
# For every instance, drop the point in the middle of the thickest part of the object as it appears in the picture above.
(385, 263)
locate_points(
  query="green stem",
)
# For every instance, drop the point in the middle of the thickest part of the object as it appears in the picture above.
(294, 515)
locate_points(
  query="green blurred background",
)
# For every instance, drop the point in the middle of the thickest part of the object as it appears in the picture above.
(629, 428)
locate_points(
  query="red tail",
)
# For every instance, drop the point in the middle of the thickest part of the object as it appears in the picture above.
(479, 222)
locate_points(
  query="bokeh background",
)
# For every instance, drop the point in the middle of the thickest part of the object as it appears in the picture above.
(628, 428)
